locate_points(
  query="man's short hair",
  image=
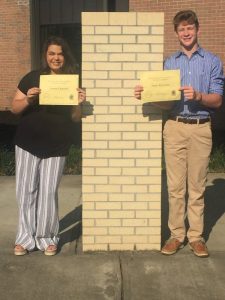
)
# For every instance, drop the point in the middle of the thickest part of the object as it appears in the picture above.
(185, 15)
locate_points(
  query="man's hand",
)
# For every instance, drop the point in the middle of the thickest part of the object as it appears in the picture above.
(137, 91)
(190, 93)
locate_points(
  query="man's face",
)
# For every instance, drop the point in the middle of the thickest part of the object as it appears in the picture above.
(187, 35)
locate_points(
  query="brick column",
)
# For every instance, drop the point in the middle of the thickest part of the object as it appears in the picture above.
(121, 183)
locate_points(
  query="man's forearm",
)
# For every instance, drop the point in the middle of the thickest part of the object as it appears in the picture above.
(209, 100)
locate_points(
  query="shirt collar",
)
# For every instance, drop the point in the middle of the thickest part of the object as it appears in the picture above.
(199, 51)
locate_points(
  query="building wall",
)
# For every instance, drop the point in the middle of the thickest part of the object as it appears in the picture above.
(15, 34)
(211, 17)
(14, 47)
(121, 182)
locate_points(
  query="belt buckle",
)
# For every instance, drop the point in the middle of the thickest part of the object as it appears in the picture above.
(187, 120)
(179, 118)
(182, 119)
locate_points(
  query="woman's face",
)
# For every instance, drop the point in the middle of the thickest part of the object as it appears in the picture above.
(55, 58)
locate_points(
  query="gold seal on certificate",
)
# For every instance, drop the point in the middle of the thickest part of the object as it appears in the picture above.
(160, 85)
(59, 89)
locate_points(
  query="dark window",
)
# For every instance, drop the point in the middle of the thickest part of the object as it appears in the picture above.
(63, 18)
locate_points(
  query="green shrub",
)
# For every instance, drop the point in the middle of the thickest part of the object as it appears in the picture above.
(217, 160)
(7, 162)
(73, 161)
(73, 164)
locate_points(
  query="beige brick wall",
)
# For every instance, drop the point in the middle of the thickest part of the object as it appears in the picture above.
(122, 140)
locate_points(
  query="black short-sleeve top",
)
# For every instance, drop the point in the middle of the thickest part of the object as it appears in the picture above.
(44, 130)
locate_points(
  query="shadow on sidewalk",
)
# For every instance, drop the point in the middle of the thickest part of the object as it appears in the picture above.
(165, 233)
(214, 207)
(70, 227)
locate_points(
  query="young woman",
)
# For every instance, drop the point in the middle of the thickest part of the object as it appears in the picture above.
(42, 142)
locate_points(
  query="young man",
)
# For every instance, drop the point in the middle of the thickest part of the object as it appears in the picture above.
(187, 133)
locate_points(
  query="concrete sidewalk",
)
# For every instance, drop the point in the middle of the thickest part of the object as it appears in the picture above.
(111, 276)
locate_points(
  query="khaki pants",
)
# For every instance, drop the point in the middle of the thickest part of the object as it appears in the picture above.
(187, 151)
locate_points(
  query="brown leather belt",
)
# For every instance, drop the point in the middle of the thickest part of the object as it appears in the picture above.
(189, 121)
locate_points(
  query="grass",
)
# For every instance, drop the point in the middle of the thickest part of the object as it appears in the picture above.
(73, 164)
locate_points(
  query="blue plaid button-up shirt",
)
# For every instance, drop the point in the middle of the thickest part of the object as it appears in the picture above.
(204, 72)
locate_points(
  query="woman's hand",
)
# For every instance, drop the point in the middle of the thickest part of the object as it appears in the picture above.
(21, 101)
(77, 109)
(32, 94)
(81, 95)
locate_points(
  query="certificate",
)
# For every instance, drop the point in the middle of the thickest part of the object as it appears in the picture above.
(160, 85)
(58, 90)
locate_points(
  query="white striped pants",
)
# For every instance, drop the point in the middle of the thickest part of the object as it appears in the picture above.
(37, 182)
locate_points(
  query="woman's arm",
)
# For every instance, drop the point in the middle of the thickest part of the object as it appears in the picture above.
(21, 101)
